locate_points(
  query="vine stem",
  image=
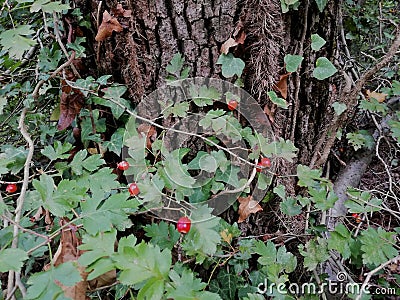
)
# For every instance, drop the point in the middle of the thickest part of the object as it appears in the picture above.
(20, 202)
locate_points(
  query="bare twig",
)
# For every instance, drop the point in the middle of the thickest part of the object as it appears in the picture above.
(374, 271)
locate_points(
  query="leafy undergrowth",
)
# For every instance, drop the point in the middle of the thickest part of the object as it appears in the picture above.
(77, 223)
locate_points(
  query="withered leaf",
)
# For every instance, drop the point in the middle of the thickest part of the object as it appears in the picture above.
(70, 106)
(247, 206)
(107, 26)
(121, 12)
(269, 113)
(380, 97)
(237, 37)
(282, 86)
(148, 131)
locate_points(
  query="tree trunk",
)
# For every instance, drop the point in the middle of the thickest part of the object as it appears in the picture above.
(157, 30)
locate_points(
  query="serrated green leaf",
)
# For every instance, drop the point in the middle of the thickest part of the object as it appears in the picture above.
(321, 4)
(361, 138)
(281, 148)
(395, 127)
(276, 100)
(292, 62)
(179, 109)
(290, 207)
(175, 65)
(316, 253)
(99, 248)
(373, 255)
(374, 105)
(340, 240)
(116, 141)
(162, 234)
(230, 65)
(12, 259)
(308, 177)
(204, 95)
(142, 262)
(203, 237)
(58, 152)
(44, 285)
(317, 42)
(93, 162)
(339, 107)
(324, 69)
(280, 190)
(15, 42)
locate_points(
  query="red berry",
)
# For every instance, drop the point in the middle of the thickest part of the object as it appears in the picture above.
(11, 188)
(264, 163)
(184, 225)
(123, 165)
(134, 189)
(355, 216)
(232, 104)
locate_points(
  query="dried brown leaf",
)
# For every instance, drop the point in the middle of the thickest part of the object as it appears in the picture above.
(247, 206)
(148, 131)
(228, 44)
(70, 106)
(380, 97)
(269, 113)
(282, 86)
(103, 280)
(107, 26)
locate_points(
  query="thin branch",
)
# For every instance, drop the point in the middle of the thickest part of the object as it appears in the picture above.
(371, 273)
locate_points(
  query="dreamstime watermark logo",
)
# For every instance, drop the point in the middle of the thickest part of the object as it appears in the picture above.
(340, 286)
(167, 109)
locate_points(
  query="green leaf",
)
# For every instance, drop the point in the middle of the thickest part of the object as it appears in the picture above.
(179, 109)
(58, 152)
(176, 170)
(316, 253)
(142, 262)
(204, 95)
(230, 65)
(280, 190)
(321, 4)
(374, 105)
(324, 69)
(48, 6)
(281, 148)
(185, 286)
(378, 246)
(12, 259)
(98, 248)
(15, 42)
(98, 215)
(340, 240)
(276, 100)
(162, 234)
(43, 285)
(361, 138)
(308, 177)
(290, 207)
(317, 42)
(292, 62)
(226, 284)
(339, 107)
(48, 59)
(116, 142)
(395, 127)
(175, 65)
(203, 237)
(360, 202)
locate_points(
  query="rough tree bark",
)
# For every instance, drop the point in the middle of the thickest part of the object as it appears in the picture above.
(159, 29)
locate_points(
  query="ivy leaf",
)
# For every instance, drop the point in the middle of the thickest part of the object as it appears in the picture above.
(162, 234)
(276, 100)
(321, 4)
(373, 254)
(116, 142)
(324, 69)
(203, 237)
(98, 249)
(317, 42)
(15, 42)
(12, 259)
(292, 62)
(230, 65)
(43, 285)
(339, 107)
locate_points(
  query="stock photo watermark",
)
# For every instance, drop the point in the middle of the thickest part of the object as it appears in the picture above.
(339, 286)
